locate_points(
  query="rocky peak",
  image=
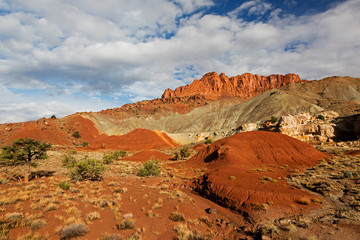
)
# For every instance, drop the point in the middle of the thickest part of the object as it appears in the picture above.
(245, 86)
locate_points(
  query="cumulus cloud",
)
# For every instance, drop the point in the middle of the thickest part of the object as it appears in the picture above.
(131, 50)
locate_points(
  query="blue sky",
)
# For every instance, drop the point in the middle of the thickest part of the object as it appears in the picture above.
(65, 56)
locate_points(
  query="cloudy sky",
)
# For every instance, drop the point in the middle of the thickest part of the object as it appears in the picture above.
(65, 56)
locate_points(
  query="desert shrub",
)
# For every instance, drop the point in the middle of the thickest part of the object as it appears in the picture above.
(208, 141)
(37, 224)
(88, 169)
(321, 117)
(273, 119)
(69, 159)
(76, 134)
(177, 217)
(149, 168)
(64, 185)
(107, 236)
(184, 153)
(126, 224)
(73, 231)
(85, 144)
(109, 158)
(184, 233)
(53, 117)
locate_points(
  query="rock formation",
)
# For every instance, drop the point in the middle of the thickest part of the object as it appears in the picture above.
(307, 128)
(214, 86)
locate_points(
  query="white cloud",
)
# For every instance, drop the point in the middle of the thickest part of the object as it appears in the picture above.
(139, 48)
(189, 6)
(253, 7)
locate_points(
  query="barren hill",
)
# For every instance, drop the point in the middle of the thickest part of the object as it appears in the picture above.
(214, 104)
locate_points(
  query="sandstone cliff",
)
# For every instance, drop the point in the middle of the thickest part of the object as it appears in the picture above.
(246, 86)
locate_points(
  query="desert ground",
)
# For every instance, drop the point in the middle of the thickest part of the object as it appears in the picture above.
(303, 194)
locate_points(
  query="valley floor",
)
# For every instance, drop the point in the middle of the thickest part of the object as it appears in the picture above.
(126, 206)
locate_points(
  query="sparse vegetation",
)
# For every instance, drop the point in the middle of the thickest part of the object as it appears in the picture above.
(69, 159)
(126, 224)
(208, 141)
(53, 117)
(321, 117)
(184, 153)
(273, 120)
(149, 168)
(76, 135)
(177, 217)
(85, 144)
(73, 231)
(109, 158)
(64, 185)
(24, 151)
(88, 169)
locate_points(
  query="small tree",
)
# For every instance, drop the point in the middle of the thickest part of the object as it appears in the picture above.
(76, 134)
(23, 151)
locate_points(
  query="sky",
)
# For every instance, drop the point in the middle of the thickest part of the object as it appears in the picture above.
(58, 57)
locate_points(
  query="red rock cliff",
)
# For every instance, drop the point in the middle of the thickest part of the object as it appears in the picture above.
(214, 86)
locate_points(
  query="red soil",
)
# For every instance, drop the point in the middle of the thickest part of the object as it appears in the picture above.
(139, 139)
(41, 130)
(148, 155)
(235, 164)
(85, 126)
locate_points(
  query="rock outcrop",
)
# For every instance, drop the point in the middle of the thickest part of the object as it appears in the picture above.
(214, 86)
(307, 128)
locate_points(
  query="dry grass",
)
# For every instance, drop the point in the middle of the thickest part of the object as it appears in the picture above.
(126, 224)
(73, 231)
(92, 216)
(177, 217)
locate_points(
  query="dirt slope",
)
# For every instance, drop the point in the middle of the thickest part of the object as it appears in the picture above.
(246, 172)
(139, 139)
(341, 94)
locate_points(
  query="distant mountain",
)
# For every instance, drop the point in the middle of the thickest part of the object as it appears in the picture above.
(246, 86)
(214, 104)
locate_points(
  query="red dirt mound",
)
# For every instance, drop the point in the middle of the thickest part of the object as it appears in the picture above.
(247, 171)
(41, 130)
(148, 155)
(85, 126)
(139, 139)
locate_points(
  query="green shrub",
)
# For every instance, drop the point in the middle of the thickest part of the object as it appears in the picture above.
(109, 158)
(149, 168)
(88, 169)
(208, 141)
(85, 144)
(273, 119)
(69, 160)
(76, 134)
(184, 152)
(64, 185)
(321, 117)
(53, 117)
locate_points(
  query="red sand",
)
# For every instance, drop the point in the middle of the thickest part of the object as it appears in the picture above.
(148, 155)
(236, 163)
(139, 139)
